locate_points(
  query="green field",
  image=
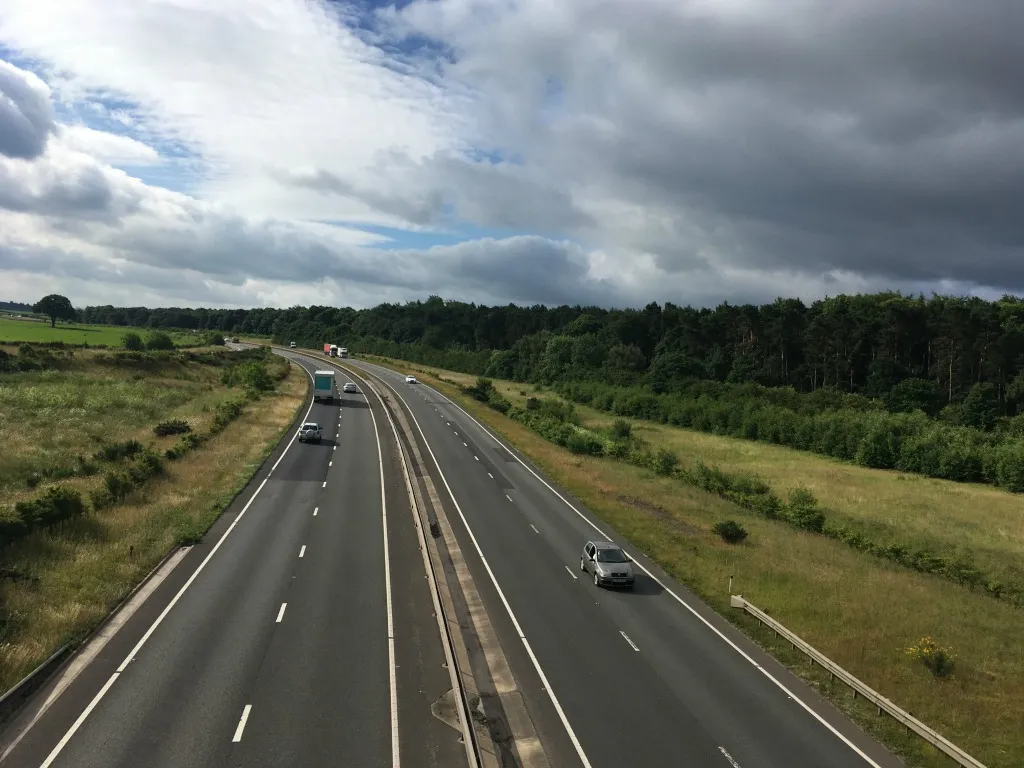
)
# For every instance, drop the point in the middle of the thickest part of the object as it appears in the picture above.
(18, 330)
(860, 611)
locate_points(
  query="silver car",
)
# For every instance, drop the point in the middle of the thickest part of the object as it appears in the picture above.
(609, 564)
(350, 388)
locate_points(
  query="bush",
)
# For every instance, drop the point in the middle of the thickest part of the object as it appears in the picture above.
(940, 661)
(665, 462)
(172, 427)
(621, 430)
(803, 511)
(730, 531)
(133, 342)
(55, 504)
(118, 451)
(585, 442)
(159, 340)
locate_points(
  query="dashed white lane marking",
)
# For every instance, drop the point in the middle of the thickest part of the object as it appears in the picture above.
(241, 723)
(280, 613)
(466, 444)
(302, 552)
(324, 485)
(534, 528)
(315, 510)
(477, 458)
(728, 757)
(335, 448)
(490, 475)
(631, 643)
(508, 497)
(330, 463)
(570, 572)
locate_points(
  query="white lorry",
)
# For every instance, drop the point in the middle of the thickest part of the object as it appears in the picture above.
(323, 386)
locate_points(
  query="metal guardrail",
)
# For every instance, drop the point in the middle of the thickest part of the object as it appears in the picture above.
(860, 689)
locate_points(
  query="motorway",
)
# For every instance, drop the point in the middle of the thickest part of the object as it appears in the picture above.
(648, 678)
(277, 650)
(302, 630)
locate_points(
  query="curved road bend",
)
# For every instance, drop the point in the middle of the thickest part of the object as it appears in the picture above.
(641, 678)
(277, 652)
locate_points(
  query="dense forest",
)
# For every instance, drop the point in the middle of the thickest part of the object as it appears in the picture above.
(937, 349)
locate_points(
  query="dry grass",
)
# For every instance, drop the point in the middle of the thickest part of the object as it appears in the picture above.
(81, 569)
(859, 611)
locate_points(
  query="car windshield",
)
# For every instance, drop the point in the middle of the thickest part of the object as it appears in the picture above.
(611, 556)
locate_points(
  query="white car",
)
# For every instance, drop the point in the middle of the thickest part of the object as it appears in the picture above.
(350, 388)
(410, 380)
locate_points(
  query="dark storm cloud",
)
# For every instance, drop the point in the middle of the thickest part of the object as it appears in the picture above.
(881, 138)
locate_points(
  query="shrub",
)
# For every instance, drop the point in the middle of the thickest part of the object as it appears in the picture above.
(159, 340)
(172, 427)
(730, 531)
(803, 510)
(133, 342)
(940, 661)
(118, 451)
(532, 404)
(621, 430)
(585, 442)
(55, 504)
(665, 462)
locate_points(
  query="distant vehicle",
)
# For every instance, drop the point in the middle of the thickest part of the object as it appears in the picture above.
(292, 345)
(331, 350)
(323, 386)
(327, 349)
(410, 380)
(310, 432)
(609, 564)
(350, 388)
(234, 340)
(343, 352)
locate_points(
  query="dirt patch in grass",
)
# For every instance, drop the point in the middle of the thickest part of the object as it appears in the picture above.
(860, 611)
(72, 575)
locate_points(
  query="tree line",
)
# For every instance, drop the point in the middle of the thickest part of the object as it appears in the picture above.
(863, 344)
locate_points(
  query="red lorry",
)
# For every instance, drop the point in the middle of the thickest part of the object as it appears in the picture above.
(331, 350)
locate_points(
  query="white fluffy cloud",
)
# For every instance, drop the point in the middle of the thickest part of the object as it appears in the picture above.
(608, 151)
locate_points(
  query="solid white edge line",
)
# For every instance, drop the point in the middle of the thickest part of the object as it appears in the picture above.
(778, 683)
(631, 643)
(241, 723)
(280, 613)
(504, 601)
(163, 614)
(728, 757)
(392, 671)
(574, 576)
(81, 719)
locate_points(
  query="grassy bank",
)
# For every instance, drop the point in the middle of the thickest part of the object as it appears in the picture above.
(61, 581)
(862, 612)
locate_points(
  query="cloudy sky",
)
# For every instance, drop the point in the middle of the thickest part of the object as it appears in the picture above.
(279, 152)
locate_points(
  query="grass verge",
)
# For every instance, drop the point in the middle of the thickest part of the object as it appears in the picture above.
(861, 612)
(71, 576)
(31, 330)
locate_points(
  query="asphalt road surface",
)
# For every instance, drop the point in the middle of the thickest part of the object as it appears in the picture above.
(267, 644)
(644, 678)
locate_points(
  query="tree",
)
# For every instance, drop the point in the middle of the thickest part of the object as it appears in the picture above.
(56, 307)
(133, 342)
(980, 408)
